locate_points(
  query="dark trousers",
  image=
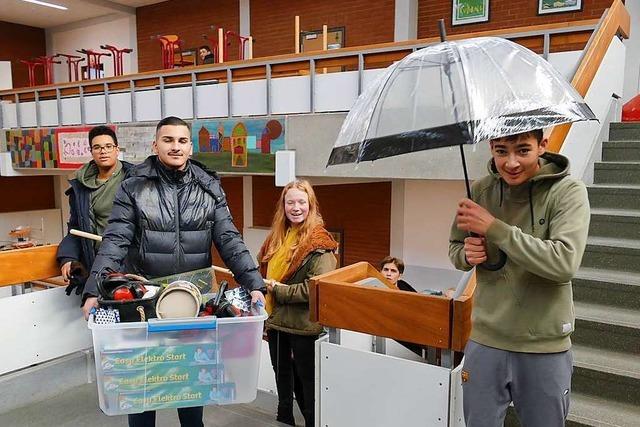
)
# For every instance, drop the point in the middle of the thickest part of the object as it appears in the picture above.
(189, 417)
(293, 360)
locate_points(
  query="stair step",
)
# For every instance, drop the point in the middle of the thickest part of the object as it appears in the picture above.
(606, 373)
(622, 172)
(615, 223)
(626, 131)
(605, 360)
(616, 329)
(590, 411)
(586, 410)
(614, 196)
(607, 287)
(604, 314)
(621, 151)
(612, 254)
(619, 388)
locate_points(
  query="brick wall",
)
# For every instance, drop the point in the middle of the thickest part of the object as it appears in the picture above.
(26, 193)
(21, 42)
(361, 212)
(365, 22)
(502, 14)
(189, 19)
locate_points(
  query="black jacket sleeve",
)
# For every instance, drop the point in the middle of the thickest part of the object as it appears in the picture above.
(230, 245)
(70, 248)
(116, 240)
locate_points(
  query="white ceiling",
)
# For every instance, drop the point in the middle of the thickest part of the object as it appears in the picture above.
(20, 12)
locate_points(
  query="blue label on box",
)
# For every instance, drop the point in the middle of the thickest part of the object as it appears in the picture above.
(131, 380)
(172, 396)
(137, 358)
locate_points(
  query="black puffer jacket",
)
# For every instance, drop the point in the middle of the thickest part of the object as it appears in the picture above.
(165, 222)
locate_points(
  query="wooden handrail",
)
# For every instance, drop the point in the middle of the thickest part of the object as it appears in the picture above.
(24, 265)
(408, 45)
(617, 22)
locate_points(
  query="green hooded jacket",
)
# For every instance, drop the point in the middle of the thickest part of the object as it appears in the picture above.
(542, 226)
(102, 193)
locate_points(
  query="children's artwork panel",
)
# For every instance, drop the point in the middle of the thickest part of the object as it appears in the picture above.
(241, 145)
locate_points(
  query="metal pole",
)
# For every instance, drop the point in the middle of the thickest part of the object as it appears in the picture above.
(81, 98)
(18, 115)
(163, 107)
(194, 96)
(132, 97)
(546, 46)
(107, 104)
(229, 92)
(360, 72)
(37, 101)
(268, 76)
(312, 78)
(2, 126)
(59, 106)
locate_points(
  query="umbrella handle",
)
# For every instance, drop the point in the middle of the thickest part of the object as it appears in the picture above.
(498, 265)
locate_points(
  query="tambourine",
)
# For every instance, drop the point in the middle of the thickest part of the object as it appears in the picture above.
(179, 299)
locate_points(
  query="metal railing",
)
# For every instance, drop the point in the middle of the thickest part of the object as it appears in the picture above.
(347, 59)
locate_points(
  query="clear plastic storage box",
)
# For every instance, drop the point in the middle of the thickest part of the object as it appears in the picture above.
(143, 366)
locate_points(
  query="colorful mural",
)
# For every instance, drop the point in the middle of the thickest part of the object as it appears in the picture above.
(238, 145)
(33, 148)
(57, 148)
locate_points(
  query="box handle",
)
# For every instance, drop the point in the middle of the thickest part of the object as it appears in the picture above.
(164, 325)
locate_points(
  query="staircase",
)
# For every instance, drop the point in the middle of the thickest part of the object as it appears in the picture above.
(606, 293)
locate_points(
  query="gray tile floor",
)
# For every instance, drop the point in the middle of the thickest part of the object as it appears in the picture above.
(79, 407)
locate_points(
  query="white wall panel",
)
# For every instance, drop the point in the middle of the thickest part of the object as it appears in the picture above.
(94, 109)
(290, 95)
(70, 111)
(336, 91)
(9, 119)
(249, 98)
(120, 107)
(49, 112)
(178, 102)
(27, 114)
(212, 100)
(148, 105)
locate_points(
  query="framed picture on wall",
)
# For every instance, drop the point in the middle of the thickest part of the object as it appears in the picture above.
(556, 6)
(469, 11)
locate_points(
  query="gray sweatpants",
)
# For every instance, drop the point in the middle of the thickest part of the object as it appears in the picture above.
(538, 384)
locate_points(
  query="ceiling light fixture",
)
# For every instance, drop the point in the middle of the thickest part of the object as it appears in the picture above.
(44, 3)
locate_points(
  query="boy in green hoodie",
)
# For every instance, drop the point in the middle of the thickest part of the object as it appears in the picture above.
(91, 195)
(519, 349)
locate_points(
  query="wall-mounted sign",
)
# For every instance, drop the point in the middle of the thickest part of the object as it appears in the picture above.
(556, 6)
(470, 11)
(73, 146)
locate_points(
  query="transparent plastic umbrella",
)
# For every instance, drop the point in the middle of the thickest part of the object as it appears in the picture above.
(453, 93)
(456, 93)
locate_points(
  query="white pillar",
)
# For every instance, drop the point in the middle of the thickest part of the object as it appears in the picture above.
(396, 244)
(406, 20)
(245, 18)
(247, 201)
